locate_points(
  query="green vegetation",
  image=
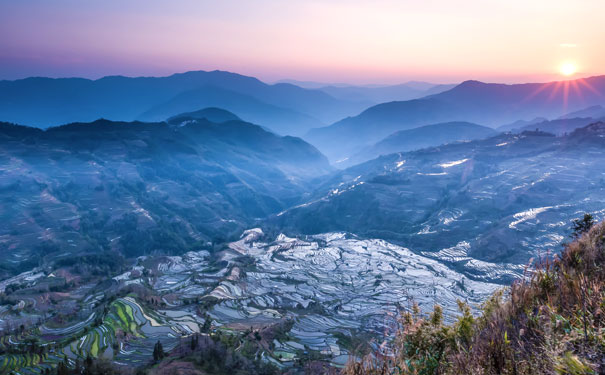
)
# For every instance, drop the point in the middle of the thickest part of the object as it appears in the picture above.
(34, 351)
(217, 354)
(94, 264)
(550, 323)
(582, 225)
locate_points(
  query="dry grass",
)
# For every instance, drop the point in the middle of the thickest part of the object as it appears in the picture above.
(552, 322)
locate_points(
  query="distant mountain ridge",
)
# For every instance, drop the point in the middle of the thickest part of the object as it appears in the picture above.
(382, 94)
(559, 126)
(212, 114)
(422, 137)
(595, 111)
(45, 102)
(472, 101)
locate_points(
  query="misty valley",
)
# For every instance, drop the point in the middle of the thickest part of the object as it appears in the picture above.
(211, 223)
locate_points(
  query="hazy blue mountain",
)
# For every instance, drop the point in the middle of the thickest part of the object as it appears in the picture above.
(368, 95)
(382, 94)
(439, 89)
(422, 85)
(476, 204)
(212, 114)
(311, 84)
(501, 103)
(143, 187)
(375, 123)
(513, 126)
(374, 94)
(559, 126)
(595, 111)
(279, 120)
(45, 102)
(422, 137)
(473, 101)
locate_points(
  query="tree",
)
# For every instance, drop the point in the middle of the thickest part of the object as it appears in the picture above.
(583, 225)
(62, 368)
(88, 363)
(158, 351)
(207, 324)
(78, 366)
(194, 341)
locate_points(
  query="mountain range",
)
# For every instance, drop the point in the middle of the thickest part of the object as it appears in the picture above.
(381, 94)
(421, 137)
(143, 187)
(483, 103)
(500, 200)
(285, 108)
(190, 223)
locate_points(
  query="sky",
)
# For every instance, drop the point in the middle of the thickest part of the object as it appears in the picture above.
(351, 41)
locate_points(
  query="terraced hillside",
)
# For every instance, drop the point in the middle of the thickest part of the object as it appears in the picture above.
(503, 200)
(125, 333)
(307, 299)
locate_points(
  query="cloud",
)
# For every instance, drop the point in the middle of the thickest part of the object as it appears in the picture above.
(568, 45)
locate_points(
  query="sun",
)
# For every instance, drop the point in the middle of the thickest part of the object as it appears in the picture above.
(568, 68)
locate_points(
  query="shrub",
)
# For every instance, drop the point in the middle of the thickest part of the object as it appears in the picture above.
(551, 322)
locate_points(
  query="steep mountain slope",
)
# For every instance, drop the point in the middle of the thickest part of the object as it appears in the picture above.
(422, 137)
(45, 102)
(142, 187)
(483, 103)
(503, 200)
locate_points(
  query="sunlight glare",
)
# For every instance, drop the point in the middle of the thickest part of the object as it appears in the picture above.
(568, 69)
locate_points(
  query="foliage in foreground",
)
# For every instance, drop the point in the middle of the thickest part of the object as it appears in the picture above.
(550, 323)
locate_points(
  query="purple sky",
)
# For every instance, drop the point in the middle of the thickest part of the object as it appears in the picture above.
(379, 41)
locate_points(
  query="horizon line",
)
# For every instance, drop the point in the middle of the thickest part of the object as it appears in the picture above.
(298, 82)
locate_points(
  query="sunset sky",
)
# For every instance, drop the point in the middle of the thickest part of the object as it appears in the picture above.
(354, 41)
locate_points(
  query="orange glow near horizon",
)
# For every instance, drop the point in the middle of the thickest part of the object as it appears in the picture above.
(356, 41)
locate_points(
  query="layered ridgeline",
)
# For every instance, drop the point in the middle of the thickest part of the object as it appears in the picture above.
(419, 138)
(485, 206)
(382, 94)
(562, 125)
(482, 103)
(123, 231)
(550, 323)
(139, 187)
(285, 108)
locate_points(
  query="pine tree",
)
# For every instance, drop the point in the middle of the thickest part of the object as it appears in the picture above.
(158, 351)
(193, 342)
(156, 355)
(62, 369)
(583, 225)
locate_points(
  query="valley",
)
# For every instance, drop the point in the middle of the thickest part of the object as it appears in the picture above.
(203, 233)
(302, 187)
(252, 284)
(491, 197)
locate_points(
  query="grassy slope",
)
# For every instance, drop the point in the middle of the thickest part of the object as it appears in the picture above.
(551, 323)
